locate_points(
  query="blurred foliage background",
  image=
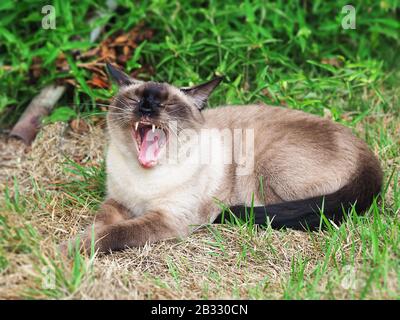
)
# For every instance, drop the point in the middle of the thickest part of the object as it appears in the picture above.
(294, 53)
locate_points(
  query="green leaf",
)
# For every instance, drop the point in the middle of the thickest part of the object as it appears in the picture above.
(62, 114)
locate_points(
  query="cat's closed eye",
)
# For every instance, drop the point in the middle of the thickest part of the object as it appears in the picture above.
(168, 104)
(132, 99)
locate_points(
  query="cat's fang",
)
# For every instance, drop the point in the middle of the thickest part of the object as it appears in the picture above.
(153, 128)
(136, 126)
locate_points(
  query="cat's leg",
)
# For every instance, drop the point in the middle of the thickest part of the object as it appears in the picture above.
(151, 227)
(110, 212)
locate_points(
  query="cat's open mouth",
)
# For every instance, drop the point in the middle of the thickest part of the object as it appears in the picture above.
(149, 139)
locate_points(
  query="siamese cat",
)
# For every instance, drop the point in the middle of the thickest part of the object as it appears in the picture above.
(158, 187)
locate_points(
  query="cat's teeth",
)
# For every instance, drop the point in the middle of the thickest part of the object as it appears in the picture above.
(153, 128)
(136, 125)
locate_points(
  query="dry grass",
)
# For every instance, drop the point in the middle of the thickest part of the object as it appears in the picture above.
(216, 262)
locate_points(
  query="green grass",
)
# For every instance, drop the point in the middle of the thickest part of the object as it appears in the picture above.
(57, 278)
(271, 52)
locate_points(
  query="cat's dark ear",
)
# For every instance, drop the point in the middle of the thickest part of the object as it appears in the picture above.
(201, 92)
(120, 77)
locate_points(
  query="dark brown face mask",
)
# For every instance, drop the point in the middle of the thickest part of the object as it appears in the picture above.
(145, 111)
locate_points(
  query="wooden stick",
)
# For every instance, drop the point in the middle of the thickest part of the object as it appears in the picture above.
(29, 123)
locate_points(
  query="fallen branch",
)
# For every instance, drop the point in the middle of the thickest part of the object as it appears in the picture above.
(29, 123)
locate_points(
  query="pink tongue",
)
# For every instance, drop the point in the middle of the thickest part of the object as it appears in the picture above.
(150, 147)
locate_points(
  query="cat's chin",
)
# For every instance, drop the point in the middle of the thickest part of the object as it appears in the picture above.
(149, 140)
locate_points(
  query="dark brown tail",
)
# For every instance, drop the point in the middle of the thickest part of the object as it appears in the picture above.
(305, 214)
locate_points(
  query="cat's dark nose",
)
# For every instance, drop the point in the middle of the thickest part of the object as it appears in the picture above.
(148, 105)
(150, 102)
